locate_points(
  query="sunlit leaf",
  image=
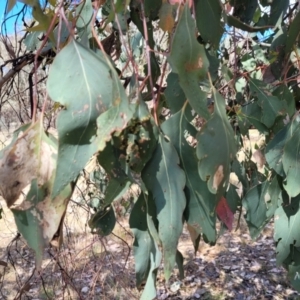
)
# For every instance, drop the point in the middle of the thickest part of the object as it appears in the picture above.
(93, 109)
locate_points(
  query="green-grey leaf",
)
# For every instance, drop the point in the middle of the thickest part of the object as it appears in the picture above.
(142, 240)
(216, 148)
(149, 292)
(209, 12)
(83, 102)
(275, 148)
(278, 9)
(286, 230)
(88, 104)
(283, 93)
(85, 14)
(291, 162)
(179, 262)
(118, 180)
(271, 105)
(200, 209)
(165, 180)
(244, 9)
(293, 33)
(260, 203)
(188, 59)
(175, 96)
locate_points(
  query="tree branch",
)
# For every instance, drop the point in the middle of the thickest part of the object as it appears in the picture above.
(17, 68)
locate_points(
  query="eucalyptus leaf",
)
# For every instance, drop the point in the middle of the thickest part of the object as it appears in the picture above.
(165, 180)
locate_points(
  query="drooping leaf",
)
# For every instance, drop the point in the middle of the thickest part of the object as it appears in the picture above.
(278, 9)
(149, 292)
(239, 169)
(250, 114)
(292, 264)
(283, 93)
(165, 180)
(44, 19)
(188, 59)
(118, 181)
(260, 203)
(103, 221)
(83, 103)
(142, 240)
(200, 209)
(286, 229)
(209, 12)
(85, 14)
(232, 198)
(150, 7)
(272, 198)
(175, 96)
(86, 100)
(26, 180)
(151, 215)
(224, 213)
(291, 161)
(275, 148)
(293, 33)
(278, 49)
(271, 105)
(195, 237)
(148, 257)
(179, 262)
(216, 148)
(244, 9)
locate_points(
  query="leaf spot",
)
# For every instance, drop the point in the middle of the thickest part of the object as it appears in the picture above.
(218, 177)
